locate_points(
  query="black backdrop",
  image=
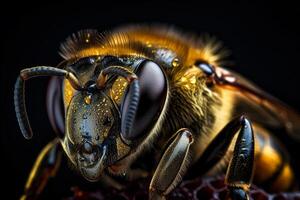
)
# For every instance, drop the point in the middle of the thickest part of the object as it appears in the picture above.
(262, 37)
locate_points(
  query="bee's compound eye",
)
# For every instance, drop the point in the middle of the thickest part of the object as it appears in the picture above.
(205, 67)
(153, 92)
(55, 107)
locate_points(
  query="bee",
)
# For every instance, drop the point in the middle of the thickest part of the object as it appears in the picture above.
(138, 89)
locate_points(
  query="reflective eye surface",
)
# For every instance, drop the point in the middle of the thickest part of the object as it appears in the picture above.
(55, 107)
(153, 92)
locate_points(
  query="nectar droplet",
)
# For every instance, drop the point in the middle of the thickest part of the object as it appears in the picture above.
(88, 99)
(175, 62)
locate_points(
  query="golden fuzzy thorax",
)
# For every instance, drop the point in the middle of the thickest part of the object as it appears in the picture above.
(190, 102)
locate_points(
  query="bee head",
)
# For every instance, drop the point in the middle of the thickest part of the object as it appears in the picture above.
(98, 130)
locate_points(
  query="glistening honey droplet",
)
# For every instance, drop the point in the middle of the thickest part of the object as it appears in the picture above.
(175, 62)
(88, 99)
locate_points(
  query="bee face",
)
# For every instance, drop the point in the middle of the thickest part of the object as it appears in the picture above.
(95, 126)
(92, 139)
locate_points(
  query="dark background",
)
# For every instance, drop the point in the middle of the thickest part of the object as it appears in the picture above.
(262, 37)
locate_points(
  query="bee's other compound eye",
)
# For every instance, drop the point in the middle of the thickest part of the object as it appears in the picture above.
(55, 107)
(153, 92)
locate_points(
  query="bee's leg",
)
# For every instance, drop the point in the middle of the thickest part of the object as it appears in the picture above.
(171, 166)
(240, 171)
(45, 166)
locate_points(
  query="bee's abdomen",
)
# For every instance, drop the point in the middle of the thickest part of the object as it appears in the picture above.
(272, 167)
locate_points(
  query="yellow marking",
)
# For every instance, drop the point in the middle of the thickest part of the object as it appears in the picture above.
(263, 135)
(118, 89)
(284, 180)
(68, 91)
(267, 163)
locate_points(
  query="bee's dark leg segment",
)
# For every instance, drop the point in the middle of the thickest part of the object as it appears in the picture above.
(45, 167)
(19, 92)
(172, 166)
(217, 149)
(240, 170)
